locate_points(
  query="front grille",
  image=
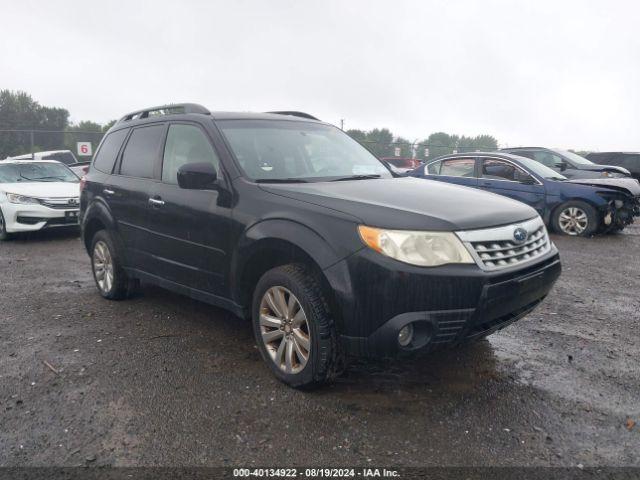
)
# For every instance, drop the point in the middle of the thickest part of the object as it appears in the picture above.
(60, 203)
(497, 248)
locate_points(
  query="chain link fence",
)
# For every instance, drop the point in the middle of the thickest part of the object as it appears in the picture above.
(20, 142)
(421, 151)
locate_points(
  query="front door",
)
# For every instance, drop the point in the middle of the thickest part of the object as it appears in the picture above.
(189, 227)
(508, 179)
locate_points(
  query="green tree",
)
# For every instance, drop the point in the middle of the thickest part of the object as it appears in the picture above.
(378, 141)
(406, 149)
(85, 131)
(359, 135)
(18, 111)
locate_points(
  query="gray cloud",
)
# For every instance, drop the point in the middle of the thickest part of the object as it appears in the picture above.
(552, 73)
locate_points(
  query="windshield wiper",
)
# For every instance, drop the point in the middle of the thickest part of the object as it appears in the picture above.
(30, 179)
(356, 177)
(281, 180)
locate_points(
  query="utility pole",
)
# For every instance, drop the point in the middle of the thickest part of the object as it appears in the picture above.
(31, 141)
(342, 124)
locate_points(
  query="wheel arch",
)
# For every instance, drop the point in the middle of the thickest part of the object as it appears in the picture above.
(273, 243)
(96, 218)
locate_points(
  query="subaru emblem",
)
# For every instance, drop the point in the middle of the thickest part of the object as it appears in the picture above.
(520, 235)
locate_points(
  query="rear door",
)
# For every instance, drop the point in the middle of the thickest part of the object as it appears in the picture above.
(461, 171)
(189, 228)
(508, 179)
(129, 189)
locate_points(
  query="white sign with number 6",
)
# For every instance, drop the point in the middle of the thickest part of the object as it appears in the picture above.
(84, 149)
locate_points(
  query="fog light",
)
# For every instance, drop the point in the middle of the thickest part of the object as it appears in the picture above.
(405, 335)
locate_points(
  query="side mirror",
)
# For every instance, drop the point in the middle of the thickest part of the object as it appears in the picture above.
(562, 166)
(198, 176)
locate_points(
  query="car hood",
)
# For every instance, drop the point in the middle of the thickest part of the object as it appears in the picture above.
(596, 167)
(409, 203)
(626, 185)
(43, 189)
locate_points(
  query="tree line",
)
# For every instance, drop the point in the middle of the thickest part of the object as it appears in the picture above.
(20, 114)
(382, 143)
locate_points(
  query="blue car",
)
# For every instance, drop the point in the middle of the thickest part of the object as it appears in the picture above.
(579, 207)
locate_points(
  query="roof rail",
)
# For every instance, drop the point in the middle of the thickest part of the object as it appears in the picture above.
(296, 114)
(171, 109)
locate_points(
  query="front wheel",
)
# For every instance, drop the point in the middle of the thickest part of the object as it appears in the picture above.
(4, 235)
(575, 218)
(293, 328)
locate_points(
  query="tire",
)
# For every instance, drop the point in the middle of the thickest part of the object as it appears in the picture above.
(116, 285)
(288, 335)
(575, 218)
(4, 235)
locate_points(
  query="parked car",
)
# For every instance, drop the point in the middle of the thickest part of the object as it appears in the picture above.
(402, 165)
(37, 194)
(627, 160)
(571, 207)
(290, 222)
(63, 156)
(569, 164)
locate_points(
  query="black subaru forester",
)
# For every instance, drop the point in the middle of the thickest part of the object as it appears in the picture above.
(286, 220)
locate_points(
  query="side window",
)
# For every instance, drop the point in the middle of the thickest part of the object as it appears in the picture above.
(458, 167)
(141, 152)
(499, 170)
(548, 159)
(434, 168)
(106, 156)
(185, 144)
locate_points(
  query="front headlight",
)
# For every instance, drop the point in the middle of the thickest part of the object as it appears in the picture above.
(425, 249)
(21, 199)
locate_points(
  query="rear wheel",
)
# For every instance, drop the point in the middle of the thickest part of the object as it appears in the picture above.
(111, 279)
(575, 218)
(4, 235)
(293, 328)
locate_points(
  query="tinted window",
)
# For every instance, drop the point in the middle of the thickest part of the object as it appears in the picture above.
(458, 167)
(140, 154)
(106, 156)
(185, 144)
(499, 170)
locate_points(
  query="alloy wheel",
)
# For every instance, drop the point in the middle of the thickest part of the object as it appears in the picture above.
(103, 266)
(284, 329)
(573, 221)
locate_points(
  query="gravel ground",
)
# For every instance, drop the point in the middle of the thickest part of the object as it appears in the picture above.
(164, 380)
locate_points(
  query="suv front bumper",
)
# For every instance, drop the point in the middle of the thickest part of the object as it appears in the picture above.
(447, 305)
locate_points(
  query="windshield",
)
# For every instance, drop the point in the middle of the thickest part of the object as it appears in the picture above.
(36, 172)
(540, 169)
(574, 157)
(272, 150)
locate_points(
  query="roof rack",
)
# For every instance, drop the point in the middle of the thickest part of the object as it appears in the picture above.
(296, 114)
(171, 109)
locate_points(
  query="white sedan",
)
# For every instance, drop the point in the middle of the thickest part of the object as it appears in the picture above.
(37, 194)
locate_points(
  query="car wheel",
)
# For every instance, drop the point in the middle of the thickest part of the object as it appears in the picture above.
(293, 328)
(4, 235)
(575, 218)
(111, 279)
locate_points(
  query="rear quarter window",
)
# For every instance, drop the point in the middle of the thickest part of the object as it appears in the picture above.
(108, 151)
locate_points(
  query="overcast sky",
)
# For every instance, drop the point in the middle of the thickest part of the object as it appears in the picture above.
(551, 73)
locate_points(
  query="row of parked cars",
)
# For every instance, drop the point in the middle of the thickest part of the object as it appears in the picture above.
(288, 222)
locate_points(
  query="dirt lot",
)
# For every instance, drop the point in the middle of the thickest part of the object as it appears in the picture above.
(164, 380)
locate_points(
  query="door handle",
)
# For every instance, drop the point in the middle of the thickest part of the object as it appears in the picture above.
(156, 202)
(106, 191)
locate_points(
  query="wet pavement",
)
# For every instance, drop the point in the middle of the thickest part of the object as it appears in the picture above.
(164, 380)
